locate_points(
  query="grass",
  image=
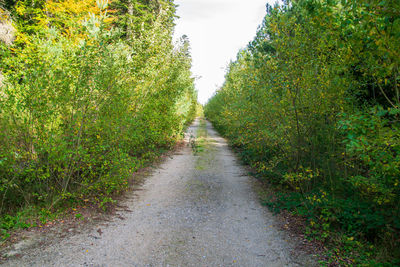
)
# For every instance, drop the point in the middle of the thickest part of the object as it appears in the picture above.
(201, 146)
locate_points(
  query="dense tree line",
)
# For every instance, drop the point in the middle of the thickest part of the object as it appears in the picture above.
(93, 90)
(313, 105)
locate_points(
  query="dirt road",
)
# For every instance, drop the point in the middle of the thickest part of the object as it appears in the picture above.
(197, 209)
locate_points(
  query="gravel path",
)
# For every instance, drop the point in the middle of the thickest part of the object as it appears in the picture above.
(196, 209)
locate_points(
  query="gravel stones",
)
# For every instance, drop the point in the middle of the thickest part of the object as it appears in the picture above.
(183, 216)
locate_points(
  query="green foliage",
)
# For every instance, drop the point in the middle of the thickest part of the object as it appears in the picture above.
(373, 148)
(312, 104)
(9, 222)
(135, 17)
(83, 108)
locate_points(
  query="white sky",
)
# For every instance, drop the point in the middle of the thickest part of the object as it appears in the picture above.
(217, 29)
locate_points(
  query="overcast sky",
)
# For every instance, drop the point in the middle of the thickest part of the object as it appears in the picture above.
(217, 29)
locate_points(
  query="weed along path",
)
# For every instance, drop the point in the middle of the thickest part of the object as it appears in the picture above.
(198, 208)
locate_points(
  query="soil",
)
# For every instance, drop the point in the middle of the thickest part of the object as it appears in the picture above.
(198, 208)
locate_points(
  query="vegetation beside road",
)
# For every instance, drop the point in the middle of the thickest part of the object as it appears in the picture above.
(313, 104)
(93, 91)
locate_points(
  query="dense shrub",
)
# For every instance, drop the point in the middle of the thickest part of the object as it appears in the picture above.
(313, 105)
(84, 105)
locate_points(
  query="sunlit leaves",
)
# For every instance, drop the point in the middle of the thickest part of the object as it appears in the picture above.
(312, 104)
(84, 108)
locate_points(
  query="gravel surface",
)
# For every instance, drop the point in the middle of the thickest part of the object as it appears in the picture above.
(196, 209)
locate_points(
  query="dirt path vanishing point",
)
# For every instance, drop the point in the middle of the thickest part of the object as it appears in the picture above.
(197, 209)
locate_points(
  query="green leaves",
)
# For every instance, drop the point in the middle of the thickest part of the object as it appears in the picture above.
(84, 108)
(312, 105)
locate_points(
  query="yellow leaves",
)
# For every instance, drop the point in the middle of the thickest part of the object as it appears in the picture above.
(20, 8)
(67, 15)
(72, 8)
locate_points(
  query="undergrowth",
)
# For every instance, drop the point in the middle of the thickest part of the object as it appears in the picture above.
(313, 106)
(89, 97)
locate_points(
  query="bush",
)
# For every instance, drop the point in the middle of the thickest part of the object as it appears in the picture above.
(312, 105)
(83, 108)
